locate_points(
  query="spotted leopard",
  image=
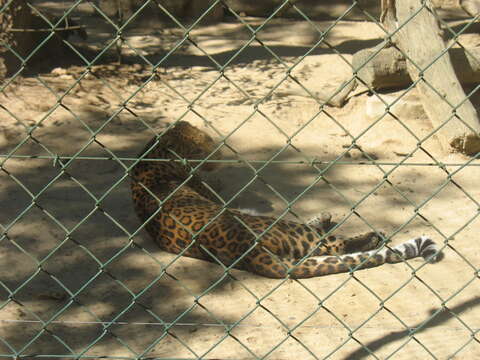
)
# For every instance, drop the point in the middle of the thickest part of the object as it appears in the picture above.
(184, 217)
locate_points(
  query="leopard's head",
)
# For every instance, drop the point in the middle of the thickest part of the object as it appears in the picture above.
(183, 141)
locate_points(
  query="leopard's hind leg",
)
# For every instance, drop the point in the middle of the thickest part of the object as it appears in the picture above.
(322, 222)
(265, 263)
(363, 242)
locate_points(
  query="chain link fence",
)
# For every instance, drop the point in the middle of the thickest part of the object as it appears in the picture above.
(300, 131)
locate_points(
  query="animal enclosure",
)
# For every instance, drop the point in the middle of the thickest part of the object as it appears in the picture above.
(313, 110)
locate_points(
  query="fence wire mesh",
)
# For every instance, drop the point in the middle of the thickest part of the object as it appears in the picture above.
(79, 276)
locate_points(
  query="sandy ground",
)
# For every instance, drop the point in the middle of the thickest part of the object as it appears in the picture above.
(78, 278)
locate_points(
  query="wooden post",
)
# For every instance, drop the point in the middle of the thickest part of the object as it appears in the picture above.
(419, 38)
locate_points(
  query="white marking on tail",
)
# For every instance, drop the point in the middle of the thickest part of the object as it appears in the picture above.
(426, 249)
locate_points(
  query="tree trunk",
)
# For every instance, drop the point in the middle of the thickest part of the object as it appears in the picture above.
(16, 16)
(387, 68)
(446, 104)
(471, 7)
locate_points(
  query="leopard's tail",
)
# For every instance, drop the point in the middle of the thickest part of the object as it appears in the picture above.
(326, 265)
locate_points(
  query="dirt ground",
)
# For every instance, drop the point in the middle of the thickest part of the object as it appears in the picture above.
(78, 277)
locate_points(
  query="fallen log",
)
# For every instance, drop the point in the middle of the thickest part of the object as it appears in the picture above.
(416, 33)
(387, 68)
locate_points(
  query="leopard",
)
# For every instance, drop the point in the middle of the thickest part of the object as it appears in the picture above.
(184, 216)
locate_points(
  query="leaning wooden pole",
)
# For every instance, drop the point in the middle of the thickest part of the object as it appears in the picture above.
(445, 102)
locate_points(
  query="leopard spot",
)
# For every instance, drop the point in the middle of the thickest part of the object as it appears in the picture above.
(269, 272)
(199, 215)
(182, 233)
(231, 233)
(282, 226)
(214, 232)
(232, 247)
(254, 252)
(305, 272)
(310, 262)
(243, 248)
(219, 242)
(291, 225)
(321, 269)
(260, 269)
(241, 237)
(163, 241)
(186, 220)
(225, 227)
(181, 243)
(310, 237)
(332, 238)
(247, 260)
(198, 225)
(212, 251)
(300, 231)
(342, 267)
(293, 242)
(331, 260)
(266, 259)
(277, 234)
(169, 234)
(305, 246)
(169, 222)
(225, 257)
(297, 254)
